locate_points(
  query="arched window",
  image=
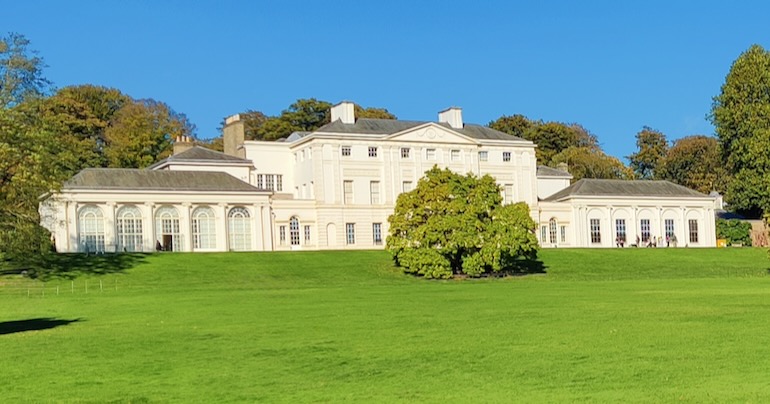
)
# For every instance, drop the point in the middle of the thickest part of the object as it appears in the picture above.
(167, 229)
(239, 229)
(552, 230)
(129, 229)
(294, 230)
(204, 228)
(91, 229)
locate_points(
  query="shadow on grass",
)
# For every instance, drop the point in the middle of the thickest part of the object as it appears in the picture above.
(33, 324)
(70, 266)
(527, 267)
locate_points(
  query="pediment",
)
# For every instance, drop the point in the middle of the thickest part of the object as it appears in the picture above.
(431, 133)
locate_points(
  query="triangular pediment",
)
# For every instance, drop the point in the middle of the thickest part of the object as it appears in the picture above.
(431, 132)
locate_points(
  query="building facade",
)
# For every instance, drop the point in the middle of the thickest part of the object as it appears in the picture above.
(334, 188)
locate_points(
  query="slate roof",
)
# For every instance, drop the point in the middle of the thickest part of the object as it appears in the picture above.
(156, 180)
(200, 154)
(545, 171)
(371, 126)
(596, 187)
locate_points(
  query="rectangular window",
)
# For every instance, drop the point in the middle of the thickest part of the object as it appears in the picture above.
(552, 231)
(508, 193)
(620, 231)
(455, 155)
(483, 156)
(405, 152)
(345, 151)
(374, 191)
(406, 186)
(372, 151)
(506, 156)
(307, 234)
(669, 228)
(543, 231)
(282, 234)
(563, 234)
(596, 231)
(279, 182)
(260, 181)
(430, 154)
(693, 225)
(350, 232)
(377, 233)
(645, 225)
(269, 182)
(347, 189)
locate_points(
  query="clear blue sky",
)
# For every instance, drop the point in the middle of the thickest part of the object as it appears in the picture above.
(612, 66)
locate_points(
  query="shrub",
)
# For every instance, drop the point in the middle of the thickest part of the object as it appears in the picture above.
(734, 230)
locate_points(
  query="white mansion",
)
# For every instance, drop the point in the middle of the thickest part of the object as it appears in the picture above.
(335, 187)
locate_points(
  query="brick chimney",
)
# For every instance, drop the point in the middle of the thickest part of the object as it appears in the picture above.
(453, 116)
(345, 111)
(182, 144)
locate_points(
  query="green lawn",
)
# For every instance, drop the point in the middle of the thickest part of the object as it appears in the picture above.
(631, 325)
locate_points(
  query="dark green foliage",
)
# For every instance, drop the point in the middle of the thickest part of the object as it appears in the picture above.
(652, 147)
(452, 224)
(741, 115)
(735, 231)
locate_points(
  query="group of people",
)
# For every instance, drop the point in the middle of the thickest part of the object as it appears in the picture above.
(650, 242)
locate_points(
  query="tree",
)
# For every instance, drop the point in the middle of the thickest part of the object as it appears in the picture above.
(26, 172)
(21, 72)
(141, 133)
(734, 231)
(589, 162)
(652, 147)
(551, 138)
(373, 113)
(695, 162)
(452, 224)
(741, 116)
(515, 125)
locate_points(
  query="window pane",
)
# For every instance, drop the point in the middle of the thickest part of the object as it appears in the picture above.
(596, 235)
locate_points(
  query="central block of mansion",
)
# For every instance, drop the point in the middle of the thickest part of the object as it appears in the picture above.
(335, 187)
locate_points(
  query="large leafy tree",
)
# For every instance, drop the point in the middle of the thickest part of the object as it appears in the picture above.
(453, 224)
(741, 115)
(590, 162)
(551, 138)
(26, 172)
(21, 71)
(141, 133)
(695, 162)
(651, 148)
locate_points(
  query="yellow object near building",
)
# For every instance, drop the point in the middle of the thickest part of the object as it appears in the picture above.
(721, 242)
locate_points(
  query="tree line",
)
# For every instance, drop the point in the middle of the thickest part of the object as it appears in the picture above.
(49, 134)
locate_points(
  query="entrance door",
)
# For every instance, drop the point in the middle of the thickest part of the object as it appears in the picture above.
(168, 242)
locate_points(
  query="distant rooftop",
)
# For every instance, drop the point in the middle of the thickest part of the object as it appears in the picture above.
(545, 171)
(198, 154)
(391, 126)
(638, 188)
(156, 180)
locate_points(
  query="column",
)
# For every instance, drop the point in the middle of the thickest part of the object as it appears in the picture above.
(148, 226)
(185, 227)
(223, 239)
(110, 227)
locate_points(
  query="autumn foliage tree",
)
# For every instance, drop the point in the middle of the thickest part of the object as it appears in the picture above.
(695, 162)
(452, 224)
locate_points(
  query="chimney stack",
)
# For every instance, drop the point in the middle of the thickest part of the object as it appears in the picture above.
(453, 116)
(233, 136)
(182, 144)
(345, 111)
(563, 167)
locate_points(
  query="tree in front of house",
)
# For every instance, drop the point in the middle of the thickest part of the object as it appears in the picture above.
(452, 224)
(741, 116)
(651, 148)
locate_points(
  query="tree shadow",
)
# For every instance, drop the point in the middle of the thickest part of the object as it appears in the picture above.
(526, 267)
(33, 324)
(70, 266)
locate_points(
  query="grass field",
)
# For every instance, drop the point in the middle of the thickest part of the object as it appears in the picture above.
(631, 325)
